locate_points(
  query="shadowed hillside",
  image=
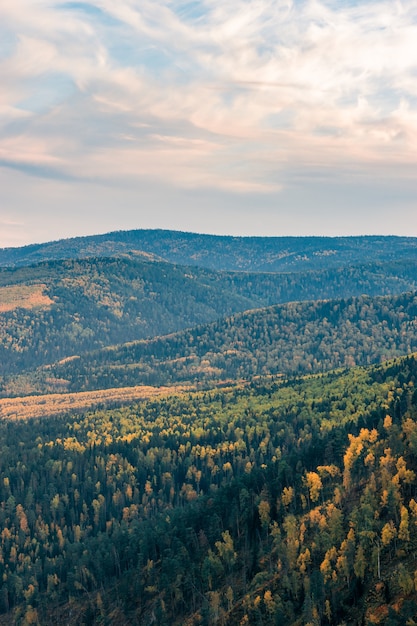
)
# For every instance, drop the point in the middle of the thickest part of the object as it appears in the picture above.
(60, 309)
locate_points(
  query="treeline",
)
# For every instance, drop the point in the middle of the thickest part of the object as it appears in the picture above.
(295, 338)
(284, 502)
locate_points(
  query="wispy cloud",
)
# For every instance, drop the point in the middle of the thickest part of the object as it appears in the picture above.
(210, 94)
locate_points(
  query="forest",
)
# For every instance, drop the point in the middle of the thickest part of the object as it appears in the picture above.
(282, 501)
(208, 431)
(287, 339)
(59, 309)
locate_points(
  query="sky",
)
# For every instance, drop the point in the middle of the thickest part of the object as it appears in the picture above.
(244, 117)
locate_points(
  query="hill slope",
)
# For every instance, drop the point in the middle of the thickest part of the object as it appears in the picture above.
(59, 309)
(282, 503)
(294, 338)
(56, 309)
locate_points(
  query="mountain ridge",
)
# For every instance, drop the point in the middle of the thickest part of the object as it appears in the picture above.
(221, 252)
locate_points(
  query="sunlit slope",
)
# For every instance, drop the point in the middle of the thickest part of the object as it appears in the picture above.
(35, 406)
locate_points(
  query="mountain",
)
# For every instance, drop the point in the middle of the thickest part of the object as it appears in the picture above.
(258, 485)
(277, 502)
(260, 254)
(56, 309)
(60, 309)
(288, 339)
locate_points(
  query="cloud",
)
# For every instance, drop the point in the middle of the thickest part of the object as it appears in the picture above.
(244, 96)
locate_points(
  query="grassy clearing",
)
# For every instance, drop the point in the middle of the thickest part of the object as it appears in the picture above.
(28, 407)
(24, 297)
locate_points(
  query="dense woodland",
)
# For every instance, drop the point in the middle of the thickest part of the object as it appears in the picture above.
(99, 302)
(270, 489)
(293, 339)
(281, 502)
(60, 309)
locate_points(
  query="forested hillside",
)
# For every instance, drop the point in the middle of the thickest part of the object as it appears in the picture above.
(59, 309)
(293, 338)
(96, 302)
(259, 499)
(282, 502)
(271, 254)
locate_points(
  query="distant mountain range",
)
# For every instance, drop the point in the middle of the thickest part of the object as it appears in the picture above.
(261, 254)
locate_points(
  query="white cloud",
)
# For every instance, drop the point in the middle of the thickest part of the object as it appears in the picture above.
(215, 94)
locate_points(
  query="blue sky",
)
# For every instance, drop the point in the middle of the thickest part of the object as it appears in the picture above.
(257, 117)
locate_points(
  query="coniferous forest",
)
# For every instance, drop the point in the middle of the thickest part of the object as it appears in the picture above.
(272, 481)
